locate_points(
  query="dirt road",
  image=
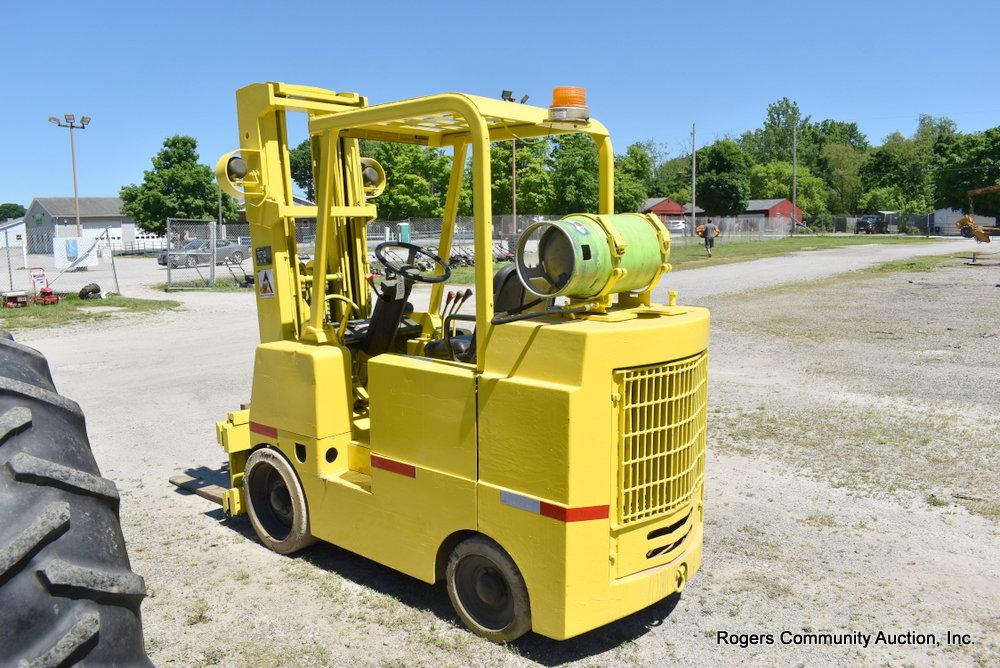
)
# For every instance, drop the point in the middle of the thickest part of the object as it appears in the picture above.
(836, 454)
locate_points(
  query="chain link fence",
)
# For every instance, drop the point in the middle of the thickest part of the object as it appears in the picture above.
(938, 223)
(13, 260)
(203, 254)
(427, 231)
(190, 264)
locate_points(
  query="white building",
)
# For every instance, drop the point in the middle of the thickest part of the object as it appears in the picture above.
(50, 217)
(945, 219)
(12, 244)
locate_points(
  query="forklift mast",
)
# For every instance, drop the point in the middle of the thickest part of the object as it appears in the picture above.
(296, 305)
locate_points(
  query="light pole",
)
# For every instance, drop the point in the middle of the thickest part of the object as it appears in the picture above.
(694, 179)
(73, 125)
(508, 96)
(795, 172)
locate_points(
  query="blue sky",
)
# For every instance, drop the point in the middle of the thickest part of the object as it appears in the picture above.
(144, 71)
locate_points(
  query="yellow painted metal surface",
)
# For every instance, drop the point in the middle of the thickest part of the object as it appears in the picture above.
(425, 413)
(660, 435)
(558, 442)
(302, 389)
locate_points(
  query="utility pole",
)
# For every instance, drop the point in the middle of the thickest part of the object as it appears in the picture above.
(72, 125)
(795, 171)
(508, 96)
(513, 181)
(694, 169)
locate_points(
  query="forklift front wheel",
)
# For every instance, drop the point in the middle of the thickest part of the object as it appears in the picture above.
(275, 502)
(487, 590)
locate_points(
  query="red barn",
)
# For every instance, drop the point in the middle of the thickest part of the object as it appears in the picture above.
(664, 207)
(772, 208)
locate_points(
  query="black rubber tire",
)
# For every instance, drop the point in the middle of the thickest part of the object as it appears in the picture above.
(67, 591)
(272, 530)
(191, 262)
(506, 625)
(89, 291)
(236, 257)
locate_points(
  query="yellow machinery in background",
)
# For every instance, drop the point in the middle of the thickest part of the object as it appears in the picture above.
(967, 224)
(544, 455)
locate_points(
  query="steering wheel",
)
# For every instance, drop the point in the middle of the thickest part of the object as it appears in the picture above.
(409, 268)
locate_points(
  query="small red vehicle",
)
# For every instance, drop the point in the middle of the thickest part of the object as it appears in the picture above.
(46, 296)
(15, 299)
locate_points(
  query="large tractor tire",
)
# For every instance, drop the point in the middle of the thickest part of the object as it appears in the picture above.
(67, 591)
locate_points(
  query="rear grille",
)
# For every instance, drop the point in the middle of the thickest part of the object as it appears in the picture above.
(661, 436)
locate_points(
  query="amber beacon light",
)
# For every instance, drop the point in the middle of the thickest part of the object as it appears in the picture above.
(569, 103)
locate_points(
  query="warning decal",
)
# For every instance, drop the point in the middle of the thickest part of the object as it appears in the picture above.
(265, 283)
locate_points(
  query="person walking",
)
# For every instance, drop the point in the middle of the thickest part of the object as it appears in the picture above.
(711, 231)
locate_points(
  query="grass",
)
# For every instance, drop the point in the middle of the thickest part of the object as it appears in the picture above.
(198, 614)
(693, 256)
(913, 265)
(227, 284)
(72, 309)
(467, 275)
(882, 450)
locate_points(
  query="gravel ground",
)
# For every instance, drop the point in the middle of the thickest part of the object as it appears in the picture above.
(852, 482)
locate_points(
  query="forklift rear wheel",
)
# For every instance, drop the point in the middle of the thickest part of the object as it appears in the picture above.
(276, 503)
(487, 590)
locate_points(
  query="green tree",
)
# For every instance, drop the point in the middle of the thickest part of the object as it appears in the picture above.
(672, 178)
(639, 161)
(840, 132)
(574, 174)
(773, 141)
(633, 176)
(971, 161)
(178, 186)
(416, 179)
(300, 161)
(840, 165)
(892, 198)
(723, 156)
(774, 180)
(535, 192)
(910, 163)
(723, 194)
(723, 178)
(901, 162)
(11, 210)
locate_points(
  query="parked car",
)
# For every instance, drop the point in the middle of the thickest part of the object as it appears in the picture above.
(871, 224)
(194, 244)
(197, 252)
(677, 226)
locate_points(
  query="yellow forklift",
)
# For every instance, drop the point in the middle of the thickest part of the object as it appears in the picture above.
(543, 455)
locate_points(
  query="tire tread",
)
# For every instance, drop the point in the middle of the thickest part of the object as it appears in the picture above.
(69, 593)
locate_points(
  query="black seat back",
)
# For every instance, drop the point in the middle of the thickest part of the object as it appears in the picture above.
(385, 320)
(509, 294)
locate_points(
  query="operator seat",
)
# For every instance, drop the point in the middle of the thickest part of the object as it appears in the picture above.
(508, 295)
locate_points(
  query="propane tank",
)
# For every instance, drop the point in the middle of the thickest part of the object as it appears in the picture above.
(578, 256)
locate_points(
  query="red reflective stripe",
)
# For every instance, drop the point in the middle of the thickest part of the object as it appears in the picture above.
(573, 514)
(408, 470)
(263, 429)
